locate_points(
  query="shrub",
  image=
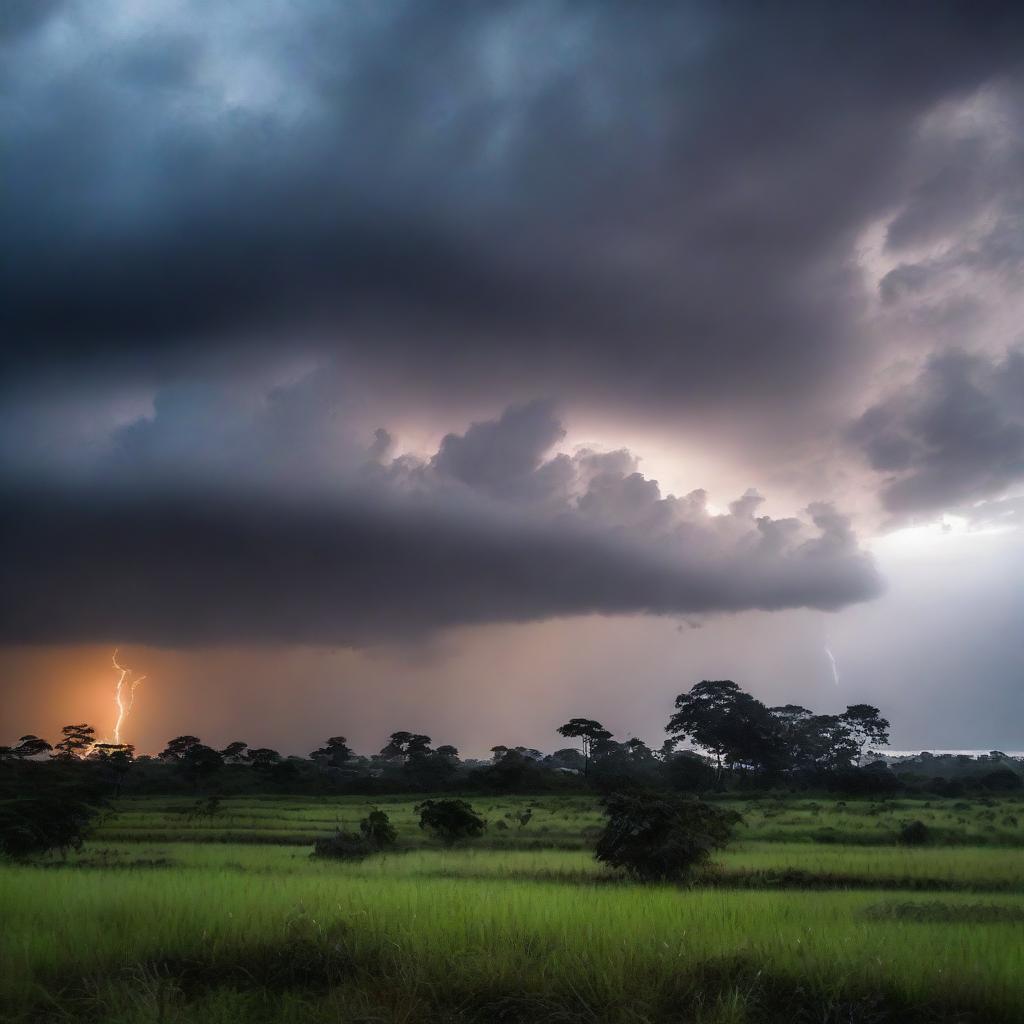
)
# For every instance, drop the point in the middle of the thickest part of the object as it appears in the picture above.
(342, 846)
(451, 821)
(914, 833)
(377, 830)
(36, 825)
(658, 837)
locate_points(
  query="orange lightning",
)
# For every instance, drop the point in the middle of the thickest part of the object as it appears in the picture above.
(124, 695)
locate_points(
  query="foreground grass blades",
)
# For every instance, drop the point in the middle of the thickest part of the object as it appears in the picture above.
(186, 931)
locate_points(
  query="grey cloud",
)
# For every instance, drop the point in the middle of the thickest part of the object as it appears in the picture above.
(511, 197)
(952, 437)
(400, 548)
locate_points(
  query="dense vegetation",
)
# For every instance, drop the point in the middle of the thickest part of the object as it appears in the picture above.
(226, 885)
(734, 740)
(176, 913)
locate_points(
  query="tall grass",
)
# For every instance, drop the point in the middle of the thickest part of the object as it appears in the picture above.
(612, 946)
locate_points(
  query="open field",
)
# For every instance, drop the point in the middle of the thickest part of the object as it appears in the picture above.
(162, 917)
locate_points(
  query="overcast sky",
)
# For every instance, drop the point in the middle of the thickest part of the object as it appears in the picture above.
(462, 367)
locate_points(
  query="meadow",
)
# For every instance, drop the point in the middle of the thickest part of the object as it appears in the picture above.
(815, 913)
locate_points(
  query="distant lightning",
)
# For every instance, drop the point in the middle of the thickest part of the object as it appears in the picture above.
(124, 695)
(832, 659)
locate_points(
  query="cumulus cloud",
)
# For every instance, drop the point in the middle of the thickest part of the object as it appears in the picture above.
(952, 437)
(496, 526)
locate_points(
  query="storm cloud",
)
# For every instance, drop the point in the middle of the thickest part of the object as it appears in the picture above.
(493, 528)
(656, 212)
(353, 324)
(952, 438)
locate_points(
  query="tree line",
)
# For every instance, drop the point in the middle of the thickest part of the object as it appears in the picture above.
(717, 733)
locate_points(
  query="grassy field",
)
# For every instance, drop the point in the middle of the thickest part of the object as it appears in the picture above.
(167, 916)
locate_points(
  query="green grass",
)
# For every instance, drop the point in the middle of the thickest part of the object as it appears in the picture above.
(565, 821)
(519, 927)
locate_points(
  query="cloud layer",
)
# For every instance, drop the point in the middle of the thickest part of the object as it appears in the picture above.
(730, 228)
(492, 528)
(653, 212)
(953, 437)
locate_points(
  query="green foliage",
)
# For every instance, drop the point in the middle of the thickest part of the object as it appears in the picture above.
(58, 820)
(656, 837)
(732, 725)
(377, 830)
(451, 821)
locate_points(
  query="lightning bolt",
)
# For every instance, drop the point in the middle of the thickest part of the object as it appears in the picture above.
(832, 660)
(124, 695)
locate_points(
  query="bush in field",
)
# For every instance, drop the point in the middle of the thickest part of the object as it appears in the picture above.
(658, 837)
(343, 846)
(36, 825)
(377, 830)
(451, 821)
(914, 833)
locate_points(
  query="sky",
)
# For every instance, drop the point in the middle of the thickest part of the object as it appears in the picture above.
(467, 367)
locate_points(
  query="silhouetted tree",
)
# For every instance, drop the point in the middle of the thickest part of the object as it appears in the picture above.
(427, 769)
(30, 746)
(403, 744)
(824, 742)
(199, 763)
(116, 760)
(735, 727)
(866, 725)
(77, 741)
(177, 748)
(234, 753)
(451, 821)
(631, 761)
(263, 759)
(512, 772)
(569, 759)
(334, 753)
(790, 721)
(589, 732)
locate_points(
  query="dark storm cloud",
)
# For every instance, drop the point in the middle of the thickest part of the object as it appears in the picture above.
(473, 195)
(953, 437)
(494, 528)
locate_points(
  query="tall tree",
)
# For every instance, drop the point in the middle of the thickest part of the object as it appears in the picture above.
(263, 759)
(825, 742)
(790, 723)
(177, 748)
(334, 753)
(404, 744)
(199, 763)
(866, 725)
(77, 742)
(734, 726)
(589, 732)
(720, 717)
(234, 752)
